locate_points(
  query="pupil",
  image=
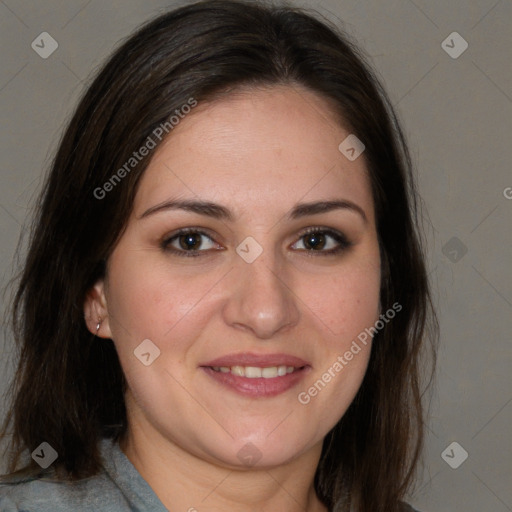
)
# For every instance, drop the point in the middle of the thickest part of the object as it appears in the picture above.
(315, 241)
(190, 241)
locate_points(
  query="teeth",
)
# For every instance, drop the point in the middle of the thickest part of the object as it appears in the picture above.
(251, 372)
(269, 373)
(238, 370)
(254, 372)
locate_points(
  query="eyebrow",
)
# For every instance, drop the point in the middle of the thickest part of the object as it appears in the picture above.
(219, 212)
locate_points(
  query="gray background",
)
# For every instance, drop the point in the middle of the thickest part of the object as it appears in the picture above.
(457, 116)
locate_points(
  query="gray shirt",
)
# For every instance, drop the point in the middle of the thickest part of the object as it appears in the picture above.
(119, 487)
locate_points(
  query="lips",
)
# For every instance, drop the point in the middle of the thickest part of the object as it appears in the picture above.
(257, 375)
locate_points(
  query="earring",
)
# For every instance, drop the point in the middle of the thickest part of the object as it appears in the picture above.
(98, 327)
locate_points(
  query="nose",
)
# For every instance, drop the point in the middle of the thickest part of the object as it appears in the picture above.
(261, 301)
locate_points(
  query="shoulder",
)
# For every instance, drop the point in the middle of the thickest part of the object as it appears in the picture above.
(45, 495)
(118, 487)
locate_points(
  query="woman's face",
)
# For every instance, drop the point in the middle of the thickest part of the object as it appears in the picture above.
(251, 313)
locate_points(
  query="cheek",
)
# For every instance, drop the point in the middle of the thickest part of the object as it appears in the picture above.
(344, 302)
(155, 297)
(345, 307)
(166, 306)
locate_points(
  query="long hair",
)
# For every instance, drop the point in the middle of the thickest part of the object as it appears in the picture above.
(69, 387)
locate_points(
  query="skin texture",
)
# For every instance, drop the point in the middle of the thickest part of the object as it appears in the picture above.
(258, 153)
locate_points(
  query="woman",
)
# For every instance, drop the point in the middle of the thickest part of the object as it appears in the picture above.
(224, 303)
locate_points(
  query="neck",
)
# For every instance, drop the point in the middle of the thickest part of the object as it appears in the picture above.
(183, 481)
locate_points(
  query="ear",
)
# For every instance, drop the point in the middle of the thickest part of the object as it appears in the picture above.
(96, 311)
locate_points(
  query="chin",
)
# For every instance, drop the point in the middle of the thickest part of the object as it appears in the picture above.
(253, 451)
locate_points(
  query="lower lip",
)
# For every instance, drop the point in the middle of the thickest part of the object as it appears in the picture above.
(258, 387)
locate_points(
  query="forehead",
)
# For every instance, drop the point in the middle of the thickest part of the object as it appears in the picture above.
(255, 148)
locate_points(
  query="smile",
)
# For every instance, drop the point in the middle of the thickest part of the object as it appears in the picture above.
(255, 381)
(254, 372)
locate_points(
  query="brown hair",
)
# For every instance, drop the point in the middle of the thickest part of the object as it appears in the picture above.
(69, 387)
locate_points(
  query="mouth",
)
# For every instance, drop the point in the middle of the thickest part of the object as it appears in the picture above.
(255, 372)
(257, 375)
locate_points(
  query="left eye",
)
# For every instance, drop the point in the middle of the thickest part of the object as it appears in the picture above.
(321, 241)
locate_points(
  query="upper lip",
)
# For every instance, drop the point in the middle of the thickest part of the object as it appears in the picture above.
(257, 360)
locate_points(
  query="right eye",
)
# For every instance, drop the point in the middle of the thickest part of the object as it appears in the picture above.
(189, 242)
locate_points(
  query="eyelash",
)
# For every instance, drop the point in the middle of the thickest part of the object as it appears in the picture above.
(340, 238)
